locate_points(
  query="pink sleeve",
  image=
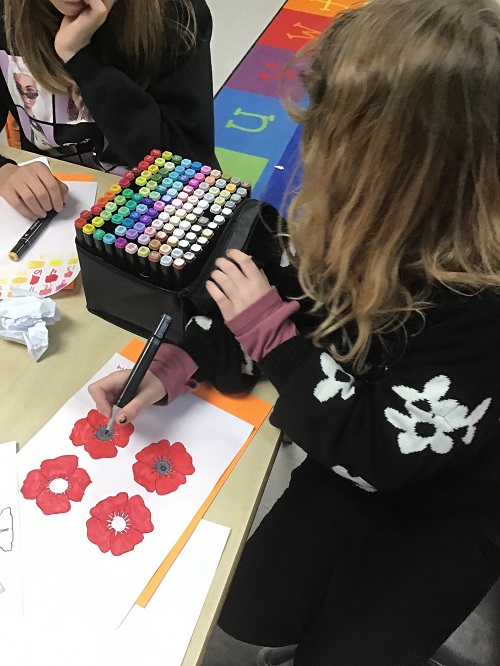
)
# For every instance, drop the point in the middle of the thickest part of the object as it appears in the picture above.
(174, 368)
(264, 325)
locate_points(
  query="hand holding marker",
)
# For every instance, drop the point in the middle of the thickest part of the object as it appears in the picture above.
(139, 370)
(30, 236)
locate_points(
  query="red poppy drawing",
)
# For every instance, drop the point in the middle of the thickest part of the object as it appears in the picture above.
(56, 483)
(119, 523)
(91, 433)
(162, 467)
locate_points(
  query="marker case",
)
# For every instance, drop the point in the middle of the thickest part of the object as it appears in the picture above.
(136, 305)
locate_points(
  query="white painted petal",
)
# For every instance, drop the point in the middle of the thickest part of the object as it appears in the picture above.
(399, 420)
(469, 435)
(358, 480)
(285, 261)
(326, 389)
(437, 388)
(411, 443)
(477, 414)
(441, 443)
(247, 365)
(408, 394)
(446, 407)
(329, 365)
(203, 322)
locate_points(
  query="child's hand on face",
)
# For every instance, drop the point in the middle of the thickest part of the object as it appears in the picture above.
(237, 284)
(32, 189)
(76, 31)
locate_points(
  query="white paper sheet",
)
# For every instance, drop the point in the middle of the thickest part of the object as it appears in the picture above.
(52, 262)
(10, 565)
(161, 632)
(69, 576)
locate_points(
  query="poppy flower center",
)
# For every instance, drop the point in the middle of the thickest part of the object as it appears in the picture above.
(118, 522)
(58, 486)
(104, 435)
(163, 466)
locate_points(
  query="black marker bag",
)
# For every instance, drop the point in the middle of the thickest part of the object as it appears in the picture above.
(136, 305)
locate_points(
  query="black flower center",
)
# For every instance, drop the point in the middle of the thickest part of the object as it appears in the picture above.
(425, 430)
(423, 405)
(163, 466)
(343, 377)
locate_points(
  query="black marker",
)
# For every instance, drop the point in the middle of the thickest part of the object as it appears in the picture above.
(29, 238)
(140, 368)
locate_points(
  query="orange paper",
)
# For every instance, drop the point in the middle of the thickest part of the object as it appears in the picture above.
(249, 409)
(79, 177)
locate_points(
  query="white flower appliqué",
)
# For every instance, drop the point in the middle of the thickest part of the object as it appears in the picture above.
(285, 257)
(358, 480)
(247, 365)
(337, 381)
(203, 322)
(431, 419)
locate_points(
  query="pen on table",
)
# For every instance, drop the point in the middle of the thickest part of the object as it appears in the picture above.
(140, 368)
(30, 236)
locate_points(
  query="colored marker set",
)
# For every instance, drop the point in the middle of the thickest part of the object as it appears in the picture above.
(163, 220)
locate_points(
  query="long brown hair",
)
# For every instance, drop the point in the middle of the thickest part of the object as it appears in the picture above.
(401, 163)
(31, 26)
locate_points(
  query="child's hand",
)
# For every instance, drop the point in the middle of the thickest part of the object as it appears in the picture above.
(76, 31)
(237, 284)
(32, 189)
(105, 392)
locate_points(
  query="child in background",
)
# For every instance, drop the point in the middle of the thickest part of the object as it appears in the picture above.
(387, 368)
(87, 86)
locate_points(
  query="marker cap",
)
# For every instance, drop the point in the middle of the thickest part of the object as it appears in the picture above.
(120, 231)
(106, 215)
(165, 250)
(143, 239)
(131, 248)
(98, 222)
(123, 211)
(95, 210)
(143, 251)
(155, 153)
(153, 168)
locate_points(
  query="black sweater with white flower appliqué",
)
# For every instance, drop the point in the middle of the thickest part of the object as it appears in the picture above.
(422, 425)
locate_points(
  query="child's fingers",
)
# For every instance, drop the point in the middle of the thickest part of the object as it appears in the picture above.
(220, 298)
(245, 262)
(104, 391)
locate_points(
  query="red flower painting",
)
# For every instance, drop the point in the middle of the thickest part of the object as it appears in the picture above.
(162, 467)
(91, 433)
(119, 523)
(56, 483)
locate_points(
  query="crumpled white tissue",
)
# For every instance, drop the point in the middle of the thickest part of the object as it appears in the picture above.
(24, 318)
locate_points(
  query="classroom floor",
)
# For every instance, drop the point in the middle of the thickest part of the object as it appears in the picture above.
(237, 25)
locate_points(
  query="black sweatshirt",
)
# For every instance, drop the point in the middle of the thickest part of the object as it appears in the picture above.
(421, 426)
(120, 121)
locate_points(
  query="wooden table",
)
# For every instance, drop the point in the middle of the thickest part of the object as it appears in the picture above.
(80, 344)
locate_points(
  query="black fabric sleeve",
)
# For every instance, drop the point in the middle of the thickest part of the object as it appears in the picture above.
(219, 357)
(174, 113)
(434, 408)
